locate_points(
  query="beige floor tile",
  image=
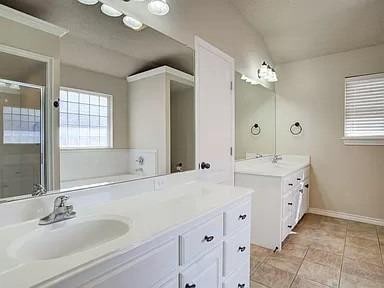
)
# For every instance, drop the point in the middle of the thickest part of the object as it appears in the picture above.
(361, 227)
(259, 253)
(285, 262)
(363, 270)
(370, 235)
(325, 275)
(254, 263)
(362, 242)
(352, 281)
(294, 250)
(369, 255)
(272, 277)
(300, 282)
(324, 258)
(335, 246)
(257, 285)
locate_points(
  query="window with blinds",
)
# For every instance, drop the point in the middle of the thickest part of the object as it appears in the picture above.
(364, 107)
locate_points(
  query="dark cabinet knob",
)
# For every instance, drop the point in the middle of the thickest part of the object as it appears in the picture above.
(298, 179)
(190, 285)
(290, 203)
(241, 248)
(301, 191)
(289, 226)
(242, 217)
(306, 185)
(205, 165)
(241, 285)
(209, 238)
(290, 184)
(56, 103)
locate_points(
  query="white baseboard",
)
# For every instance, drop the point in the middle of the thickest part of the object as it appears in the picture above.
(346, 216)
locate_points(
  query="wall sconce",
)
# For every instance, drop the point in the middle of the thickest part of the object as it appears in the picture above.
(296, 128)
(267, 73)
(255, 129)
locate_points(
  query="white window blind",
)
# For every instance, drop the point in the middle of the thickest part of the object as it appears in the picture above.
(85, 119)
(364, 107)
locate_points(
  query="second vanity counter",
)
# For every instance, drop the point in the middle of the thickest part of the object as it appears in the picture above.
(148, 215)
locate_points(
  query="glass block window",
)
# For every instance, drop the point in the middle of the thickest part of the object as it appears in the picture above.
(85, 119)
(21, 125)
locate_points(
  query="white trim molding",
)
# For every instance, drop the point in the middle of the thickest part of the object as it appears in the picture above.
(33, 22)
(162, 70)
(347, 216)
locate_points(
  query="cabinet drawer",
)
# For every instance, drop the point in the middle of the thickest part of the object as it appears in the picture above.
(200, 239)
(204, 273)
(236, 218)
(288, 183)
(299, 176)
(240, 279)
(236, 250)
(171, 284)
(143, 272)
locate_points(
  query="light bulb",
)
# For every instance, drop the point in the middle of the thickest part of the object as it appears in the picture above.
(88, 2)
(158, 7)
(110, 11)
(132, 23)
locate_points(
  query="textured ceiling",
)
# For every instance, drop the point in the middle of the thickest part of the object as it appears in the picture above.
(92, 34)
(301, 29)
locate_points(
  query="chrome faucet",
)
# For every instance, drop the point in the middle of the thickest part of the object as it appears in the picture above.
(38, 190)
(276, 158)
(61, 211)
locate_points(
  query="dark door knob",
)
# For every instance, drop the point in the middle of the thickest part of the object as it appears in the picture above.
(204, 165)
(306, 185)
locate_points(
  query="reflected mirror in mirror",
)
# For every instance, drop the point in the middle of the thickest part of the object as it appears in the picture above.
(255, 119)
(126, 98)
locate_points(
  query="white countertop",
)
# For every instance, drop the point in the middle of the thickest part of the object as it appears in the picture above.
(150, 215)
(264, 166)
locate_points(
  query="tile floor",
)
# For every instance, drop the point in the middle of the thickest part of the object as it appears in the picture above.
(325, 252)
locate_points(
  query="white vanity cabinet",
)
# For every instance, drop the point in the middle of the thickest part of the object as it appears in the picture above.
(211, 252)
(279, 202)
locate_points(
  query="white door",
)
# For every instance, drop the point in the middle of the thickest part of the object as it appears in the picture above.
(214, 74)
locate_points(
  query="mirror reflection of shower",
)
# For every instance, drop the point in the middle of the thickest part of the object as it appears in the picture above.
(22, 90)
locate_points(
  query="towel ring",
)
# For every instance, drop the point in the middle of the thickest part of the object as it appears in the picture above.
(255, 129)
(296, 128)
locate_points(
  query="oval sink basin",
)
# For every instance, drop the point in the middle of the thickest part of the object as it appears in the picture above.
(67, 237)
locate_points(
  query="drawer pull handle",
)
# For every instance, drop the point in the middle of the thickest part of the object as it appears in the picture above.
(298, 179)
(306, 185)
(289, 226)
(190, 285)
(290, 184)
(209, 238)
(290, 203)
(242, 249)
(241, 285)
(301, 191)
(242, 217)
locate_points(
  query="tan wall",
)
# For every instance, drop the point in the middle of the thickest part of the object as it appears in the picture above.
(183, 129)
(73, 77)
(254, 104)
(344, 178)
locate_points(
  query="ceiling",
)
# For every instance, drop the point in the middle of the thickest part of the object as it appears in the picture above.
(124, 51)
(300, 29)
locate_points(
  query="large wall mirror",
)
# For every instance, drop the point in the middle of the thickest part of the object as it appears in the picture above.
(125, 104)
(255, 118)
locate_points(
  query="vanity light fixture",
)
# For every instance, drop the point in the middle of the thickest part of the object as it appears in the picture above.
(158, 7)
(88, 2)
(267, 73)
(132, 23)
(110, 11)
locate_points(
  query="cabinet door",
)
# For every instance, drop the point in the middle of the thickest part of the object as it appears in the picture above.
(305, 204)
(205, 273)
(214, 74)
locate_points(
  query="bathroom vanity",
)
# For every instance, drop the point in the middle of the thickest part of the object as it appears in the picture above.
(188, 235)
(281, 195)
